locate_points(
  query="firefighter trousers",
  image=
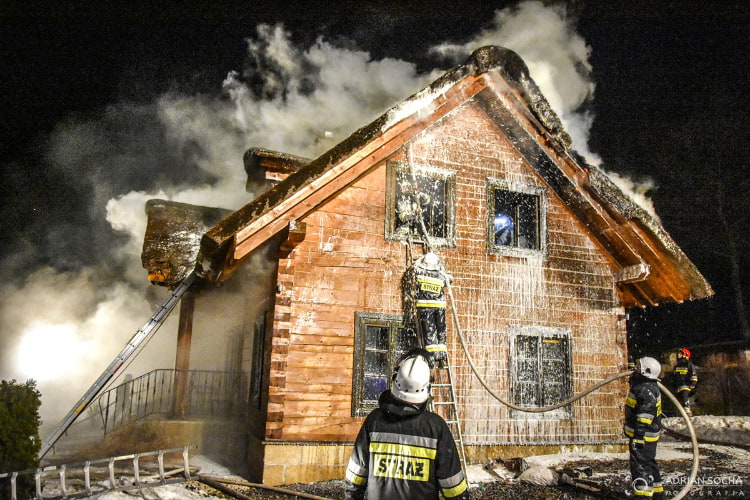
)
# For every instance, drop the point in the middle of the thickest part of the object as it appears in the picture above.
(644, 471)
(432, 323)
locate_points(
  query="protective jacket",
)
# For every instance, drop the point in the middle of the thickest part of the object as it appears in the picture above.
(643, 410)
(430, 287)
(404, 452)
(684, 376)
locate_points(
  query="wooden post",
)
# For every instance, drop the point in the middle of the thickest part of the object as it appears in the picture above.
(182, 360)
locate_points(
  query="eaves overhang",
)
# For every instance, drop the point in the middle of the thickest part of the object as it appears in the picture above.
(498, 80)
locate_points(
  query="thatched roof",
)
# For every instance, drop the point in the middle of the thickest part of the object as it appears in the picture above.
(653, 267)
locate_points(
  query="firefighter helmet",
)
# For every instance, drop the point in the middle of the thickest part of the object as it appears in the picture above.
(649, 368)
(685, 353)
(411, 381)
(431, 260)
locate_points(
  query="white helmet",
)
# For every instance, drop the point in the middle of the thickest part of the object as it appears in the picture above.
(649, 368)
(430, 261)
(411, 382)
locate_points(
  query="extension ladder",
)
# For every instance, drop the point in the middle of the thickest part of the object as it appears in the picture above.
(60, 475)
(130, 348)
(444, 404)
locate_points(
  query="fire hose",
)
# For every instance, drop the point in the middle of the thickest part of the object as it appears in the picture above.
(694, 440)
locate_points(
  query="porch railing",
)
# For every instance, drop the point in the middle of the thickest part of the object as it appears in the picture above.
(208, 394)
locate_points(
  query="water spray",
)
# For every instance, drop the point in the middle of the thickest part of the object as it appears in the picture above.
(694, 470)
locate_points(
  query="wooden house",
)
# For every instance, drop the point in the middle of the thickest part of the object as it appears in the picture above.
(542, 308)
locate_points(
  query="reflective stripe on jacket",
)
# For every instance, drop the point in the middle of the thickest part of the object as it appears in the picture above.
(684, 376)
(430, 287)
(643, 410)
(404, 456)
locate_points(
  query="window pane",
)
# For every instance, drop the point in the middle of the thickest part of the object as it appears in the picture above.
(516, 219)
(406, 339)
(554, 369)
(426, 201)
(377, 338)
(376, 363)
(527, 394)
(526, 346)
(527, 221)
(373, 387)
(504, 221)
(433, 213)
(528, 371)
(527, 383)
(553, 394)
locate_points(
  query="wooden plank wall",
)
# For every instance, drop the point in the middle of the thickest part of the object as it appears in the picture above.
(345, 266)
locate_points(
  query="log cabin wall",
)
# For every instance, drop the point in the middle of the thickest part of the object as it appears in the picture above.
(345, 265)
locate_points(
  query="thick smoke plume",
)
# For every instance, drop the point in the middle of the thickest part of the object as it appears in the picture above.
(64, 322)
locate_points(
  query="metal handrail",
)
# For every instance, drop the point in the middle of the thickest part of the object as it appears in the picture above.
(209, 393)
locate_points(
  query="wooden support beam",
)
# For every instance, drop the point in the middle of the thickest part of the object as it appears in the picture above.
(182, 360)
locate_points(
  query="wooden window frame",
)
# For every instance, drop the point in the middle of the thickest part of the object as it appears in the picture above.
(540, 247)
(393, 170)
(397, 332)
(541, 333)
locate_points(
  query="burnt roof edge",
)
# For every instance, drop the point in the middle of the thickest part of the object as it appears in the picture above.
(516, 73)
(608, 192)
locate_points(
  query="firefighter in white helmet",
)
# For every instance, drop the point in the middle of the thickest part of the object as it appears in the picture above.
(402, 450)
(643, 428)
(431, 282)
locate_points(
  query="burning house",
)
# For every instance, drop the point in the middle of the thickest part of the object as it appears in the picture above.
(546, 255)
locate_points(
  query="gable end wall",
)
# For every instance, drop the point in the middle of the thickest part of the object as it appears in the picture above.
(345, 266)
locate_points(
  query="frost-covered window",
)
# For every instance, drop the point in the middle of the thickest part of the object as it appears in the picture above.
(540, 362)
(380, 340)
(420, 199)
(516, 218)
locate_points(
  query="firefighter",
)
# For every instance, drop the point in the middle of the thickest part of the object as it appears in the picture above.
(684, 378)
(643, 428)
(430, 302)
(402, 450)
(409, 210)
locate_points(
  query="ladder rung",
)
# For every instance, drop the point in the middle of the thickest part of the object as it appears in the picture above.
(443, 403)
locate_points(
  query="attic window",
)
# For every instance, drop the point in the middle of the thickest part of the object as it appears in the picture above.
(540, 366)
(379, 342)
(420, 198)
(516, 218)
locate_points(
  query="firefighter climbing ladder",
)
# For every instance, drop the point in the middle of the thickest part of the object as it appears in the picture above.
(444, 404)
(150, 327)
(443, 389)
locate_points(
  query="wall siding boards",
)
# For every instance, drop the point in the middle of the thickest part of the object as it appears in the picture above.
(345, 266)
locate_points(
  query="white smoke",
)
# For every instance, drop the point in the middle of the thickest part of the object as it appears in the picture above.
(189, 148)
(557, 58)
(558, 61)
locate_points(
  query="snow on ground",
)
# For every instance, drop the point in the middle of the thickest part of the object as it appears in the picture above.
(735, 430)
(714, 428)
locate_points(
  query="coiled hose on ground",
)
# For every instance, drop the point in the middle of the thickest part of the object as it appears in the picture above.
(694, 470)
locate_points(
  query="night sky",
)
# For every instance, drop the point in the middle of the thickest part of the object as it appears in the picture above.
(670, 107)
